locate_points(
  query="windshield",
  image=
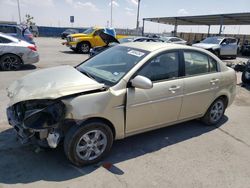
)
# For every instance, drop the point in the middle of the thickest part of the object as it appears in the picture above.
(111, 65)
(88, 31)
(212, 40)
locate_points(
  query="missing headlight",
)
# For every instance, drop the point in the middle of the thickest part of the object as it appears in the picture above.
(40, 114)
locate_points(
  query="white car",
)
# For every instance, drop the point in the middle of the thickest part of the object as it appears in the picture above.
(220, 46)
(15, 52)
(174, 40)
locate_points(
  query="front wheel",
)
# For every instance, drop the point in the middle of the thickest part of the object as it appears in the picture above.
(88, 143)
(83, 47)
(215, 112)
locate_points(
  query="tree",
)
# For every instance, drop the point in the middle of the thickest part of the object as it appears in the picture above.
(29, 20)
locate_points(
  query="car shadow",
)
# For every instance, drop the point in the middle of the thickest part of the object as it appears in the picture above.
(23, 68)
(69, 52)
(27, 164)
(246, 86)
(27, 67)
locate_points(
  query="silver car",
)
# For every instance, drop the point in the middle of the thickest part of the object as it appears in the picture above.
(127, 89)
(220, 46)
(174, 40)
(15, 52)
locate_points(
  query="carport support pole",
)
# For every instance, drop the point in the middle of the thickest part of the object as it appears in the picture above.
(111, 13)
(142, 31)
(221, 24)
(208, 32)
(19, 12)
(175, 28)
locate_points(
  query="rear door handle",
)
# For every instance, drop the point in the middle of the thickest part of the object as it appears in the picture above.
(214, 81)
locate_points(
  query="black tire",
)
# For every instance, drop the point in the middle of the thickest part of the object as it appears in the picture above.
(208, 117)
(10, 62)
(83, 47)
(217, 53)
(74, 137)
(234, 57)
(244, 78)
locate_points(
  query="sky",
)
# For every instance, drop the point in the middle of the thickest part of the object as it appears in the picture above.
(97, 12)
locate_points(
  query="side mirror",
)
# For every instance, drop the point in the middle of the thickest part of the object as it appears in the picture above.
(224, 44)
(141, 82)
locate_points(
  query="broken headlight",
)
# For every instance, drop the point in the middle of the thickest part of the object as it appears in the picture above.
(40, 114)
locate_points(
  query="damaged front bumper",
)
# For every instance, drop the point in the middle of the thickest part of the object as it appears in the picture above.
(37, 120)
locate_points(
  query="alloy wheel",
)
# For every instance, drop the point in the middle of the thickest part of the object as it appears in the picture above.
(91, 145)
(85, 48)
(217, 111)
(10, 62)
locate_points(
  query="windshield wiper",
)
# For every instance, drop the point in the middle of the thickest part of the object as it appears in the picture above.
(88, 75)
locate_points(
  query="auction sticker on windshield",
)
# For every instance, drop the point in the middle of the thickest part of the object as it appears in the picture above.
(136, 53)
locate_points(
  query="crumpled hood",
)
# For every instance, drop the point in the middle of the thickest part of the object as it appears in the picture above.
(206, 46)
(50, 83)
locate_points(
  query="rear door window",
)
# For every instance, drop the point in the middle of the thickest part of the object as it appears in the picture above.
(199, 63)
(196, 63)
(4, 40)
(213, 67)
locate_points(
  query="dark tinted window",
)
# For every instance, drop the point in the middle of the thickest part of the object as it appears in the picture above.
(8, 29)
(196, 63)
(98, 32)
(232, 41)
(164, 66)
(4, 40)
(174, 40)
(140, 40)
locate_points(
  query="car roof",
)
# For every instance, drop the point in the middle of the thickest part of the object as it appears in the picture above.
(153, 46)
(221, 37)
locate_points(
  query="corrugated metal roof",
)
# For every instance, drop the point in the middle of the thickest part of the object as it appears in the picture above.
(216, 19)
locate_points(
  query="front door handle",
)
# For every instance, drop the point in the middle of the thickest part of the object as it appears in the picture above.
(173, 89)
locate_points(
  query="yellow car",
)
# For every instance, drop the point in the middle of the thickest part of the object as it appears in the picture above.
(83, 42)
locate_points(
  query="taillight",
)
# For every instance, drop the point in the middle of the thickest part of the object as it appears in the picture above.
(30, 36)
(33, 48)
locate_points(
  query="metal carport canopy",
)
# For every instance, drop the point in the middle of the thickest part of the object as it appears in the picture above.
(216, 19)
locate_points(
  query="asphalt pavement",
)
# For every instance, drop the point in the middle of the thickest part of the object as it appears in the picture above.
(185, 155)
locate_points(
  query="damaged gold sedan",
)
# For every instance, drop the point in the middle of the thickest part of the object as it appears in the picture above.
(126, 90)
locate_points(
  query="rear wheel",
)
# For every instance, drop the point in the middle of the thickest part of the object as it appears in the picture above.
(10, 62)
(215, 112)
(88, 143)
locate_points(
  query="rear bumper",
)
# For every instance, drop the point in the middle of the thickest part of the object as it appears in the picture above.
(31, 58)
